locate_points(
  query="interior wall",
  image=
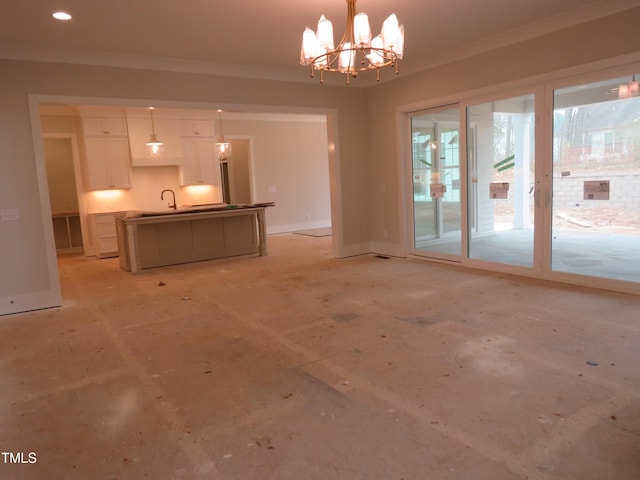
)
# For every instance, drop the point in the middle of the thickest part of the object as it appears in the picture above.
(29, 277)
(584, 47)
(290, 168)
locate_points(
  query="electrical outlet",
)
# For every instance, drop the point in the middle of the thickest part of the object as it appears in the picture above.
(9, 214)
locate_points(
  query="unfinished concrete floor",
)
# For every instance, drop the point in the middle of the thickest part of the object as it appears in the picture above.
(300, 366)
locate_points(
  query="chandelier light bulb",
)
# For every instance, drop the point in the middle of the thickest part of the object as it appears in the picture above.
(325, 33)
(376, 57)
(361, 29)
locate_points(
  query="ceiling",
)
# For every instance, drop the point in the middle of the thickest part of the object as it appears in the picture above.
(261, 38)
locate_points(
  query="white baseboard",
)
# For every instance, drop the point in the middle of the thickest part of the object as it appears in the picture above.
(29, 301)
(389, 249)
(296, 227)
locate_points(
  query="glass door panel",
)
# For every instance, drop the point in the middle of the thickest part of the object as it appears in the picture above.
(437, 214)
(501, 158)
(596, 180)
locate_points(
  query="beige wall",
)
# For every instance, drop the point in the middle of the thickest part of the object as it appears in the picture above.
(291, 168)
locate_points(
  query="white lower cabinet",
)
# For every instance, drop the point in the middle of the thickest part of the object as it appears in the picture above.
(104, 231)
(200, 164)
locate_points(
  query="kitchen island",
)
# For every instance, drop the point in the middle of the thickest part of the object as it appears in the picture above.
(190, 234)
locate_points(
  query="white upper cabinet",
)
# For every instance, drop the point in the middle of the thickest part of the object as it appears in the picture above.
(200, 165)
(196, 128)
(167, 132)
(102, 126)
(107, 160)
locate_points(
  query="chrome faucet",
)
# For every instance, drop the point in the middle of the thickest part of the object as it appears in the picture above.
(171, 205)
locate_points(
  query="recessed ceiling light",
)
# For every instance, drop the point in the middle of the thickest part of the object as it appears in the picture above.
(61, 16)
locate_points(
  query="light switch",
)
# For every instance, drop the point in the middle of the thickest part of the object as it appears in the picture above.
(9, 214)
(272, 189)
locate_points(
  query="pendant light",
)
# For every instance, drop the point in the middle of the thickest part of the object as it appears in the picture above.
(223, 149)
(154, 146)
(629, 89)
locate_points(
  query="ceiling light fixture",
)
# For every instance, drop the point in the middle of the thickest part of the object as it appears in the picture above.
(61, 16)
(357, 51)
(627, 90)
(154, 146)
(223, 149)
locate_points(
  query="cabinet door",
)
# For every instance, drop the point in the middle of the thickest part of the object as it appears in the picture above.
(107, 163)
(118, 161)
(190, 170)
(104, 126)
(200, 164)
(195, 127)
(104, 230)
(98, 177)
(116, 126)
(209, 162)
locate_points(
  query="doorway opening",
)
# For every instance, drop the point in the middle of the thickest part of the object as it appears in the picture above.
(235, 173)
(64, 178)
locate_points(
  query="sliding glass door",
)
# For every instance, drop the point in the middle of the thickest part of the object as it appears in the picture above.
(436, 193)
(596, 180)
(501, 161)
(551, 183)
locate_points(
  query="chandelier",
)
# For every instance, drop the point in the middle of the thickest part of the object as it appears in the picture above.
(357, 51)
